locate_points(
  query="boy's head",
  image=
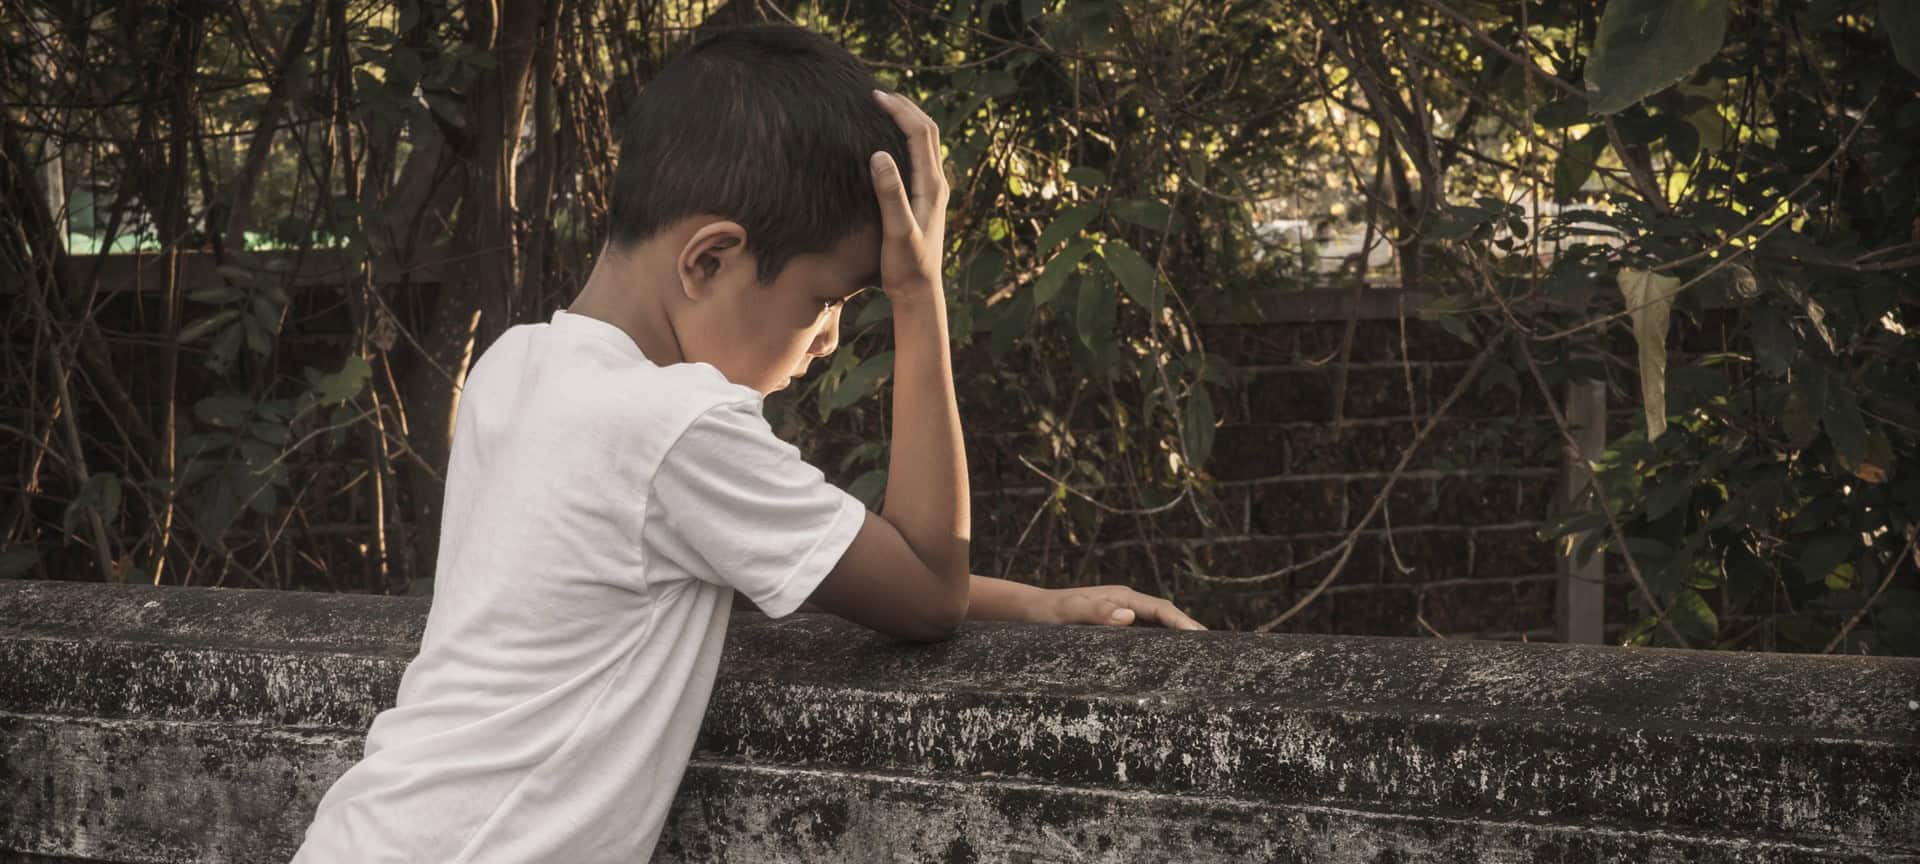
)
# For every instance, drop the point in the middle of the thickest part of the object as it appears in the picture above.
(748, 156)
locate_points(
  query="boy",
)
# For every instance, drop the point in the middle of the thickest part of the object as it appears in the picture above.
(612, 481)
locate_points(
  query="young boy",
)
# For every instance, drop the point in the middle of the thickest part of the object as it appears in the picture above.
(612, 481)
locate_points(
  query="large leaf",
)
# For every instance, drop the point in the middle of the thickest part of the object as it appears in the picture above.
(1902, 20)
(334, 388)
(1067, 225)
(863, 380)
(1147, 213)
(1649, 298)
(1094, 317)
(1197, 426)
(1055, 275)
(1646, 46)
(1134, 273)
(1576, 163)
(1693, 617)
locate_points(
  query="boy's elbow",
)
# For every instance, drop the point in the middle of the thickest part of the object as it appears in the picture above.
(938, 629)
(943, 619)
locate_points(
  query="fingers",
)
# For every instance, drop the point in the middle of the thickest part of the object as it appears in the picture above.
(923, 142)
(896, 214)
(1120, 607)
(1167, 614)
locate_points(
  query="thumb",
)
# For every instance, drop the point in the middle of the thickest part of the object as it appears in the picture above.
(1115, 614)
(896, 213)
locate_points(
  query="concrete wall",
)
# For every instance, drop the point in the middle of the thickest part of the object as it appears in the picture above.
(173, 725)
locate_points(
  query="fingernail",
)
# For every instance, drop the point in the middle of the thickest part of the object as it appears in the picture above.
(880, 162)
(1118, 614)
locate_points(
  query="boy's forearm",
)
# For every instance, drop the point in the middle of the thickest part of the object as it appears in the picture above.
(927, 493)
(990, 599)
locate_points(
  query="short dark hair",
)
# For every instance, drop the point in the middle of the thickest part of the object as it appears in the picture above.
(770, 126)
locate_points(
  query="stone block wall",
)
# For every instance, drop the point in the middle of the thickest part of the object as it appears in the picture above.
(167, 725)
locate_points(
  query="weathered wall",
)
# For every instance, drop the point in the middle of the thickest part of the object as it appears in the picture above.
(174, 725)
(1294, 475)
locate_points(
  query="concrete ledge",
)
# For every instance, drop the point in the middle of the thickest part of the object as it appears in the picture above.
(168, 725)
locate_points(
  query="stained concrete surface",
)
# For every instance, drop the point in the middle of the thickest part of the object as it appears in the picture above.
(170, 725)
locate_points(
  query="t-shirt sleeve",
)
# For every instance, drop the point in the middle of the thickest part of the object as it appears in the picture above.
(756, 515)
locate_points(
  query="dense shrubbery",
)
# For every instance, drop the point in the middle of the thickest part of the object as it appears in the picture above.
(1743, 168)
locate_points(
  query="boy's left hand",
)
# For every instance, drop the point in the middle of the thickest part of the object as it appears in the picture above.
(1111, 605)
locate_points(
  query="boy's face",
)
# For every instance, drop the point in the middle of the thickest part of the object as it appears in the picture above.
(765, 335)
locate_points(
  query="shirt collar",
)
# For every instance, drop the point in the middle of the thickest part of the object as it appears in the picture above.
(595, 328)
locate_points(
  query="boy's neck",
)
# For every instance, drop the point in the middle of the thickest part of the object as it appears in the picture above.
(619, 292)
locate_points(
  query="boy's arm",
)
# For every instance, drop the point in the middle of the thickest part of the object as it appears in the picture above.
(1000, 600)
(991, 599)
(906, 571)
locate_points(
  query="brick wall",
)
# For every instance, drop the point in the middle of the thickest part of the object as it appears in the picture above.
(1288, 481)
(1291, 480)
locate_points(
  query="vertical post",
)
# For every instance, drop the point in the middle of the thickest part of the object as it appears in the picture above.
(1580, 605)
(53, 181)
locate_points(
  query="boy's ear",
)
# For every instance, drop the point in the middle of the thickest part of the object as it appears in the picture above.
(714, 249)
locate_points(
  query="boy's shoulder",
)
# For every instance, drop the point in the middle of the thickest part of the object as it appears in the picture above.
(604, 383)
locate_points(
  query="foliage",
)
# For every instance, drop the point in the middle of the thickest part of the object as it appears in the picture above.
(1114, 166)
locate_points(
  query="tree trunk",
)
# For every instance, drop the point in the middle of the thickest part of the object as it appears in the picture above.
(479, 284)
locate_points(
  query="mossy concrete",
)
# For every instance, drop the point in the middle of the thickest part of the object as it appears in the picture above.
(171, 725)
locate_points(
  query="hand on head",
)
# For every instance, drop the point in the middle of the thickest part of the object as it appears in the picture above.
(913, 230)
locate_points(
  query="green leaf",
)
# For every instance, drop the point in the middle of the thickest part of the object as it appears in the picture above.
(100, 494)
(1667, 496)
(860, 383)
(226, 412)
(216, 294)
(1825, 553)
(1561, 113)
(1841, 579)
(1197, 426)
(1015, 317)
(1682, 139)
(259, 341)
(1692, 616)
(1051, 279)
(1069, 223)
(1094, 316)
(1134, 273)
(335, 388)
(983, 272)
(1457, 326)
(1146, 213)
(1646, 46)
(1575, 165)
(1773, 342)
(1846, 428)
(207, 325)
(1902, 20)
(1085, 176)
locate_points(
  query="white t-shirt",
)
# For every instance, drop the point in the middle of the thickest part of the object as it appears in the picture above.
(600, 512)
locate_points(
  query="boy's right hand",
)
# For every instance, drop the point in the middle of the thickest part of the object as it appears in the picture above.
(913, 232)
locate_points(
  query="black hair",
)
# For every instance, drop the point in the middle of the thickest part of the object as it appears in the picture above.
(770, 126)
